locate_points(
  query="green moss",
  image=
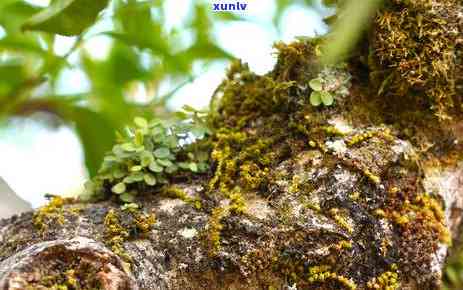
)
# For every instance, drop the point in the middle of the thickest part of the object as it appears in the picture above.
(176, 192)
(53, 212)
(416, 54)
(322, 274)
(214, 229)
(388, 280)
(341, 220)
(121, 226)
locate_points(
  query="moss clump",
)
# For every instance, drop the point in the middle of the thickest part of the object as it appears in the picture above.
(388, 280)
(341, 219)
(52, 212)
(177, 192)
(322, 274)
(121, 226)
(417, 53)
(214, 229)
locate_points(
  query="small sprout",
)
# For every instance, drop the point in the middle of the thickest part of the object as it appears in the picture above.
(316, 84)
(330, 84)
(130, 207)
(315, 98)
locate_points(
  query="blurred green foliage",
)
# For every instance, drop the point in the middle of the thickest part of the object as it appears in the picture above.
(144, 53)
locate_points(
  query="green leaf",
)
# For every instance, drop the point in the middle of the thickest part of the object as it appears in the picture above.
(141, 122)
(146, 158)
(155, 167)
(118, 188)
(327, 98)
(134, 177)
(127, 197)
(66, 17)
(129, 147)
(315, 98)
(96, 134)
(164, 162)
(193, 167)
(316, 84)
(162, 152)
(149, 179)
(348, 29)
(184, 165)
(136, 168)
(171, 169)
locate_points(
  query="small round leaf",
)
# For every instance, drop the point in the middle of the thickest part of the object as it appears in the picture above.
(149, 179)
(118, 188)
(127, 197)
(141, 122)
(155, 167)
(162, 152)
(193, 167)
(327, 98)
(315, 99)
(316, 84)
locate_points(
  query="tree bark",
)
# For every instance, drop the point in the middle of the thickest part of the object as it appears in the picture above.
(367, 194)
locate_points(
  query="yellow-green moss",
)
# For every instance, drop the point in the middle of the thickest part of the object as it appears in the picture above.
(117, 232)
(214, 229)
(388, 280)
(341, 219)
(322, 274)
(176, 192)
(53, 212)
(416, 54)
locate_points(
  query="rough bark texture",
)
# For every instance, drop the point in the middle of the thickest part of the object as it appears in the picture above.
(366, 194)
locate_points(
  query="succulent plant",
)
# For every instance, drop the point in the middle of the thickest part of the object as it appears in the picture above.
(148, 154)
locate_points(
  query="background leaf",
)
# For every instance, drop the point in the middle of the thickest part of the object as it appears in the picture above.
(66, 17)
(96, 133)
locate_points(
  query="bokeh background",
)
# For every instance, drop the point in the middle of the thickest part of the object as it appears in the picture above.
(141, 57)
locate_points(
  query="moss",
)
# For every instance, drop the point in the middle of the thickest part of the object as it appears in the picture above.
(214, 229)
(416, 54)
(53, 212)
(322, 274)
(341, 219)
(176, 192)
(116, 234)
(358, 138)
(121, 226)
(388, 280)
(64, 271)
